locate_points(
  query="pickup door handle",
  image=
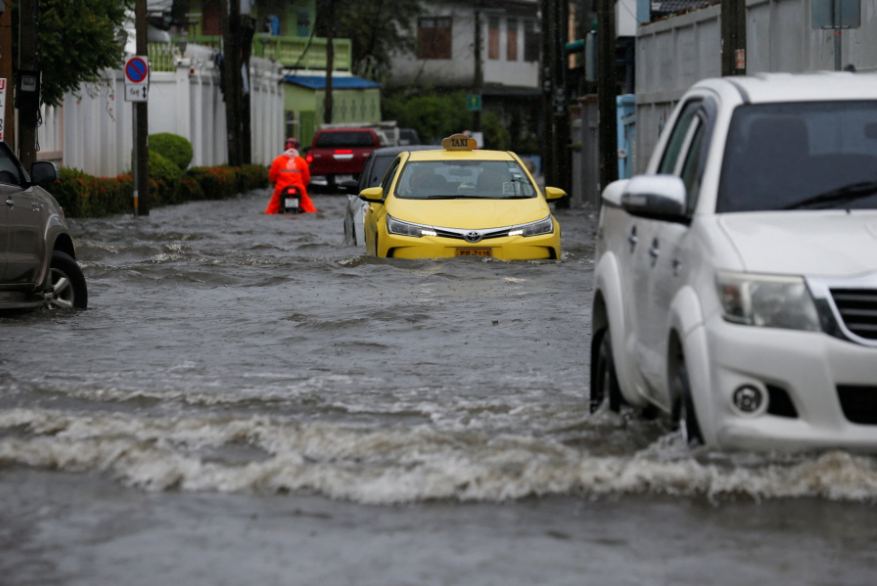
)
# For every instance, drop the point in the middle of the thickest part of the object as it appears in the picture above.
(632, 238)
(654, 251)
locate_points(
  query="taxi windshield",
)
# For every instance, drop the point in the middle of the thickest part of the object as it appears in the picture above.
(800, 155)
(464, 180)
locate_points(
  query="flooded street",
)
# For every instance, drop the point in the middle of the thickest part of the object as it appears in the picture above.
(248, 400)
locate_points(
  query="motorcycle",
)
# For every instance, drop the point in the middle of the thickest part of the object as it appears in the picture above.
(290, 200)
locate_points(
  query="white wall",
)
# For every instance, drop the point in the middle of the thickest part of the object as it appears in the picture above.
(95, 130)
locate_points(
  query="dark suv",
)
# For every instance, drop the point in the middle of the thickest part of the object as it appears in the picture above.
(37, 258)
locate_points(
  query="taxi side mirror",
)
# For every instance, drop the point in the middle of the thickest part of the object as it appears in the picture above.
(554, 193)
(372, 195)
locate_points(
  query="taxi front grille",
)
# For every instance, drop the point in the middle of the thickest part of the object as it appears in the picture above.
(461, 234)
(858, 309)
(859, 403)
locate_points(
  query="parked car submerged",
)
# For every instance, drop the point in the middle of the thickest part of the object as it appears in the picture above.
(735, 283)
(460, 201)
(375, 167)
(37, 257)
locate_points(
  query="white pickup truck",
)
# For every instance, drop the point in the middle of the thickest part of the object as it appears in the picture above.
(736, 280)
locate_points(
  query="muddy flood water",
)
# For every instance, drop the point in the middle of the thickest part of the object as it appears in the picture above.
(247, 400)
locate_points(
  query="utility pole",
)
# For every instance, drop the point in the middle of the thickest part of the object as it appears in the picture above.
(549, 77)
(733, 37)
(6, 73)
(231, 25)
(607, 90)
(248, 29)
(141, 122)
(479, 69)
(330, 61)
(563, 165)
(27, 88)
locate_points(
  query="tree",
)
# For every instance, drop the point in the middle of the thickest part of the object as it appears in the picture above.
(78, 40)
(376, 28)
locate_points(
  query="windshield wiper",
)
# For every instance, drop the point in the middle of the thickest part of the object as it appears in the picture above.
(454, 197)
(843, 194)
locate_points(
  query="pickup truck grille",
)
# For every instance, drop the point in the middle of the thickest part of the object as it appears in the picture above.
(858, 309)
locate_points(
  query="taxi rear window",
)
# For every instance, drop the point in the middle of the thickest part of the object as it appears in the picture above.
(464, 180)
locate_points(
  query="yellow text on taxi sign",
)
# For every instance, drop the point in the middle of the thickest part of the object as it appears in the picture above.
(459, 142)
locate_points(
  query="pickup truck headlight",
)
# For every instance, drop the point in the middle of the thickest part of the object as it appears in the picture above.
(543, 226)
(401, 228)
(770, 301)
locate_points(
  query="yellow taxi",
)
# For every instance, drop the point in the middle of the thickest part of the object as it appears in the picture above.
(460, 201)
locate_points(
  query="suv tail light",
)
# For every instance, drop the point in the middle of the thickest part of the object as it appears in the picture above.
(309, 158)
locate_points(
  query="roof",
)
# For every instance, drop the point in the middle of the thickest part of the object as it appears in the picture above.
(318, 82)
(797, 87)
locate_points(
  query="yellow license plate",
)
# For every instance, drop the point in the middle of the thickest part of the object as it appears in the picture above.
(474, 252)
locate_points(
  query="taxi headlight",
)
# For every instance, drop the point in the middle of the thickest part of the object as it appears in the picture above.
(401, 228)
(768, 301)
(543, 226)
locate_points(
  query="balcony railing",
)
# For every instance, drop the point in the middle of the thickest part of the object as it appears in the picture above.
(303, 53)
(297, 52)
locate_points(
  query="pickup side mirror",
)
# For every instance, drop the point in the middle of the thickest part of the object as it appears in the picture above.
(372, 195)
(554, 193)
(660, 197)
(43, 172)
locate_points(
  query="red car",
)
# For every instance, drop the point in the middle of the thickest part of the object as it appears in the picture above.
(338, 154)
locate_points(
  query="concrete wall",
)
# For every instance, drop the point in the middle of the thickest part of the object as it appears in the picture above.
(94, 131)
(673, 54)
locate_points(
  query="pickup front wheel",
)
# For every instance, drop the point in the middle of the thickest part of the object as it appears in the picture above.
(66, 288)
(604, 381)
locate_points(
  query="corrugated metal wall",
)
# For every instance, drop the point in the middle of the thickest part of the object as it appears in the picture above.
(673, 54)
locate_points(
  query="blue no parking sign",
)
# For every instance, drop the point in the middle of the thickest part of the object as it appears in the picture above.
(136, 79)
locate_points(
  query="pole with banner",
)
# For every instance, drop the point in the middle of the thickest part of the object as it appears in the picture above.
(137, 92)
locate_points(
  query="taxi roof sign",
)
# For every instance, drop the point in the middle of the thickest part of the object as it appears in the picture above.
(459, 142)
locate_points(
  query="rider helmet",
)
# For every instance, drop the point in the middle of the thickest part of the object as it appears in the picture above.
(292, 143)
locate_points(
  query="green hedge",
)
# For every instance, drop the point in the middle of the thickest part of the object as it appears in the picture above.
(84, 196)
(173, 147)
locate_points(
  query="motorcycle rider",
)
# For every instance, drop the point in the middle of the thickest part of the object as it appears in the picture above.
(290, 169)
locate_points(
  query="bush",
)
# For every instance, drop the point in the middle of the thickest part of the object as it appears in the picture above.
(165, 178)
(84, 196)
(173, 147)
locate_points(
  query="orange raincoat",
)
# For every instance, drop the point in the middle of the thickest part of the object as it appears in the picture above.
(289, 169)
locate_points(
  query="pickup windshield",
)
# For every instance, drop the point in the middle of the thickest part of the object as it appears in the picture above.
(804, 155)
(464, 180)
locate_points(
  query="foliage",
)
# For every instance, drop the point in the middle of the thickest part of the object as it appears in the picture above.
(77, 40)
(376, 28)
(496, 135)
(164, 178)
(434, 115)
(173, 147)
(84, 196)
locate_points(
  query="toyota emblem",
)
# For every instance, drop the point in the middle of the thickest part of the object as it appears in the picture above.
(473, 236)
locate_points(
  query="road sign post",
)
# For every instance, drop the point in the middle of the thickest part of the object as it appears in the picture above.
(137, 91)
(2, 109)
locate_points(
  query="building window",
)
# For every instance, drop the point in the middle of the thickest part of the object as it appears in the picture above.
(434, 38)
(512, 39)
(531, 41)
(211, 18)
(493, 37)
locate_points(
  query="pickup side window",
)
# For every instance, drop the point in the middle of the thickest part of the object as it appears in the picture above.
(680, 138)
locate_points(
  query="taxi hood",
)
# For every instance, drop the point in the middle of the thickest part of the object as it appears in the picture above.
(827, 243)
(475, 214)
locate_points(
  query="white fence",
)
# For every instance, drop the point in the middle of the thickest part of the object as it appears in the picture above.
(94, 130)
(674, 53)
